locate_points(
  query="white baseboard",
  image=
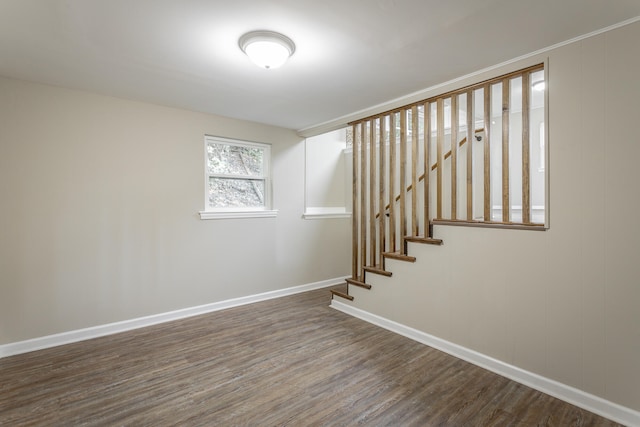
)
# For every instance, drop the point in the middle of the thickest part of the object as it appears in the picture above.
(574, 396)
(127, 325)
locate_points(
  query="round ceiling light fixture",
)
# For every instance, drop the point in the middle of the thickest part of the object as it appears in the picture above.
(267, 49)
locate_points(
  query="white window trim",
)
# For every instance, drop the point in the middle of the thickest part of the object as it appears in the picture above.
(238, 212)
(326, 212)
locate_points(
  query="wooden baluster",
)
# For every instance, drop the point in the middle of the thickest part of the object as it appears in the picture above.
(392, 182)
(487, 152)
(403, 180)
(454, 156)
(471, 135)
(414, 171)
(526, 147)
(383, 159)
(427, 169)
(363, 200)
(372, 190)
(506, 204)
(354, 201)
(439, 149)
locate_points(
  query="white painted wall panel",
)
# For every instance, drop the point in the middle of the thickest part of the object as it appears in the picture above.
(593, 218)
(563, 320)
(621, 201)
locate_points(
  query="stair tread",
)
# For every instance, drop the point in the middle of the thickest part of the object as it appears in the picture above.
(358, 282)
(399, 256)
(422, 239)
(376, 269)
(342, 295)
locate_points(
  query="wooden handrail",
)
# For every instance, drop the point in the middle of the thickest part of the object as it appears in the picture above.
(448, 153)
(433, 167)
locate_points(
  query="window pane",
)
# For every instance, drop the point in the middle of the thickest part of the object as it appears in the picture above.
(537, 132)
(496, 152)
(238, 193)
(515, 149)
(232, 159)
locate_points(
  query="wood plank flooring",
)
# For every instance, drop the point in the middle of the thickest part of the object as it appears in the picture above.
(291, 361)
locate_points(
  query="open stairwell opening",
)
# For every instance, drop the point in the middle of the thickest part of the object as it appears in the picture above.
(473, 157)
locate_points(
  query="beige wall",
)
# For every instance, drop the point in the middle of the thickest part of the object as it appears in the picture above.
(564, 303)
(99, 215)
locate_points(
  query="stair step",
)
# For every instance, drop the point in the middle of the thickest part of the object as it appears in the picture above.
(377, 270)
(341, 295)
(399, 256)
(358, 282)
(426, 240)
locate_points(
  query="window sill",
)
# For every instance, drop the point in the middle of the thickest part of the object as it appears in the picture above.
(491, 224)
(325, 213)
(238, 214)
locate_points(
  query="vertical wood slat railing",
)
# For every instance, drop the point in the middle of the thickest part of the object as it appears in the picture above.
(403, 179)
(454, 157)
(505, 150)
(382, 187)
(414, 170)
(363, 210)
(487, 153)
(426, 161)
(469, 158)
(372, 193)
(384, 219)
(392, 182)
(355, 224)
(439, 154)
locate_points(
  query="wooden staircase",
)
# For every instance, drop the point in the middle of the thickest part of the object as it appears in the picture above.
(382, 220)
(361, 281)
(413, 168)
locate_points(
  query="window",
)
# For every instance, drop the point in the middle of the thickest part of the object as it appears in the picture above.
(237, 179)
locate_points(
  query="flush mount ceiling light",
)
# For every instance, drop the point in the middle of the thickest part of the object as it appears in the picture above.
(539, 85)
(267, 49)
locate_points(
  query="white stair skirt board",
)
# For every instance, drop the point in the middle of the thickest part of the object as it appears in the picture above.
(595, 404)
(128, 325)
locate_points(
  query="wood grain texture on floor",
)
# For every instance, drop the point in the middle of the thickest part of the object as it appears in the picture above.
(291, 361)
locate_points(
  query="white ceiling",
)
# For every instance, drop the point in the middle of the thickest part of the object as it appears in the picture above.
(350, 54)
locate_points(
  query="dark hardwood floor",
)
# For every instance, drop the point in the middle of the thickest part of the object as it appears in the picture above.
(290, 361)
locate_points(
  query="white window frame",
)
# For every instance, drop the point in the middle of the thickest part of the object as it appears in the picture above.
(265, 211)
